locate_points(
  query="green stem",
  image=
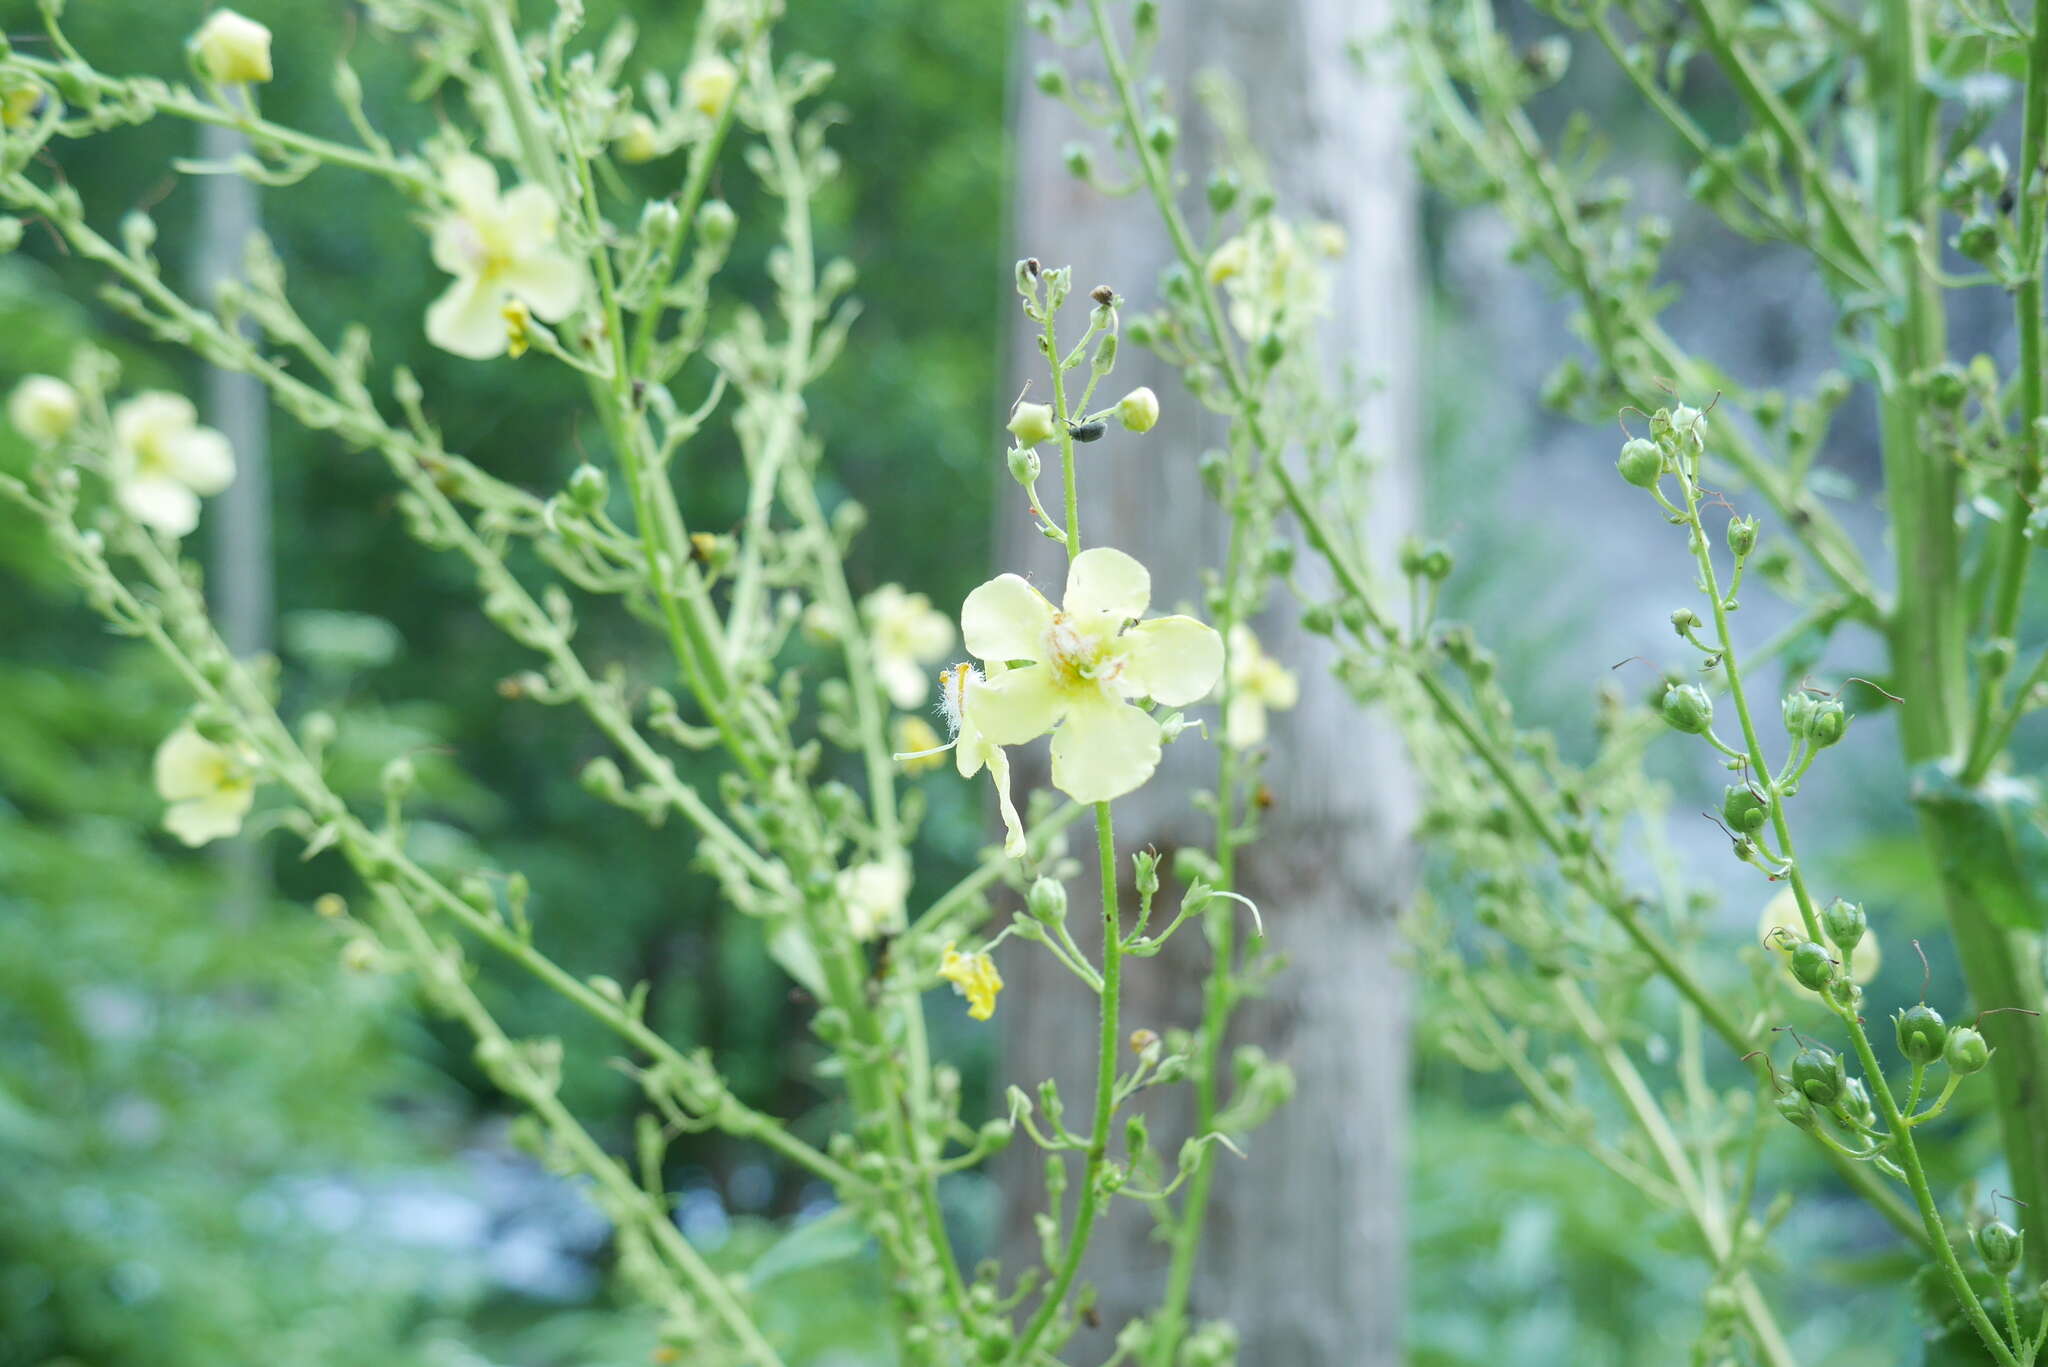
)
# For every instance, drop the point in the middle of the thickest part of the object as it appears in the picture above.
(1091, 1199)
(1903, 1148)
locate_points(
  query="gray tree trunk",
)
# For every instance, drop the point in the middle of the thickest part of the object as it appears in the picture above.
(1306, 1245)
(241, 578)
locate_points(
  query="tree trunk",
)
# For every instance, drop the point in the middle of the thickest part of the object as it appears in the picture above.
(241, 578)
(1305, 1250)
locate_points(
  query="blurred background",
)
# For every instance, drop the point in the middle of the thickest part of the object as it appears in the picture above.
(218, 1147)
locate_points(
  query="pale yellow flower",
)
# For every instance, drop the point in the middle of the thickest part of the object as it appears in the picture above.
(640, 142)
(233, 49)
(972, 752)
(873, 896)
(920, 746)
(209, 787)
(1258, 683)
(907, 635)
(1272, 282)
(709, 84)
(1088, 659)
(18, 106)
(163, 462)
(499, 247)
(1782, 911)
(974, 977)
(43, 408)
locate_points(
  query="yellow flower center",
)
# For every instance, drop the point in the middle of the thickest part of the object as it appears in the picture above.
(1082, 654)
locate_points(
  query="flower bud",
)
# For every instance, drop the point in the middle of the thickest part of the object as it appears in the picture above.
(995, 1135)
(1798, 711)
(716, 223)
(1223, 188)
(1050, 78)
(1742, 809)
(1079, 159)
(1024, 465)
(640, 142)
(1812, 966)
(1796, 1109)
(709, 84)
(1641, 462)
(1998, 1244)
(588, 488)
(1856, 1104)
(43, 408)
(1921, 1033)
(1161, 134)
(1742, 535)
(1817, 1074)
(660, 220)
(232, 49)
(1047, 901)
(1031, 423)
(1966, 1052)
(398, 778)
(1687, 708)
(1138, 410)
(1826, 723)
(1318, 620)
(1978, 239)
(1843, 922)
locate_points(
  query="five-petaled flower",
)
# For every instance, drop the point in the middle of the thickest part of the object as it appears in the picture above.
(209, 787)
(499, 248)
(908, 634)
(1086, 660)
(163, 461)
(974, 977)
(1258, 682)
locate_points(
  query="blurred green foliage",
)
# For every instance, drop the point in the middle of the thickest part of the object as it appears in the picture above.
(168, 1072)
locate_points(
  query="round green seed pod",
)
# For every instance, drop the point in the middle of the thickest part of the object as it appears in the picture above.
(1921, 1032)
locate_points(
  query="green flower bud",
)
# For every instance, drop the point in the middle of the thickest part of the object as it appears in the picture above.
(1798, 710)
(1921, 1033)
(1945, 387)
(1684, 620)
(1998, 1244)
(1811, 965)
(1855, 1102)
(995, 1135)
(1050, 78)
(1818, 1075)
(1138, 410)
(1223, 188)
(1161, 134)
(1047, 901)
(716, 223)
(1742, 809)
(1031, 423)
(1977, 239)
(1742, 535)
(1318, 620)
(1796, 1109)
(1024, 465)
(1640, 463)
(1279, 557)
(398, 778)
(1826, 723)
(1843, 922)
(1966, 1051)
(1079, 159)
(588, 488)
(1687, 708)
